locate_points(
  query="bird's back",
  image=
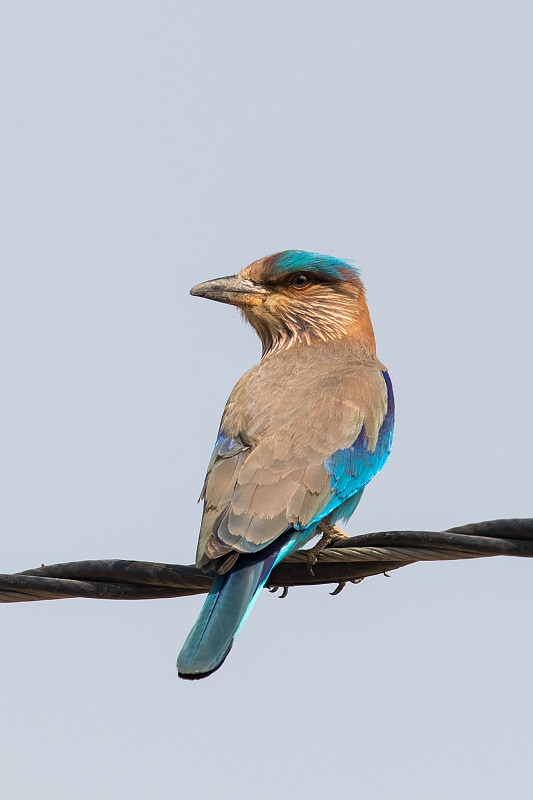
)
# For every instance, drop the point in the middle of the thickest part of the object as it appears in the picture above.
(283, 420)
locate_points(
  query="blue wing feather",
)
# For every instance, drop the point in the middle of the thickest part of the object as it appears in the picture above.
(351, 469)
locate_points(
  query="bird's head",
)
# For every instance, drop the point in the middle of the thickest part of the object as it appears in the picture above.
(296, 297)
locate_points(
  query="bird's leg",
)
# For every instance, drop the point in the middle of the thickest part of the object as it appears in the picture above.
(330, 533)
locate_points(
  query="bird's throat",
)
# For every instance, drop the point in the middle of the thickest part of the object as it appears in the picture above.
(313, 325)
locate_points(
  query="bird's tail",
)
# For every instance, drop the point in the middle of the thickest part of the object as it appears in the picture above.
(227, 605)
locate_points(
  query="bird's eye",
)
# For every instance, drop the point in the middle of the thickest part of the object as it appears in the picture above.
(300, 280)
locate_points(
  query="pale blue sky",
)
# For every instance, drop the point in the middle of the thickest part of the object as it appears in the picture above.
(146, 147)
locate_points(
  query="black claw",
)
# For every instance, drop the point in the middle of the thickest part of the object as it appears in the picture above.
(284, 593)
(339, 588)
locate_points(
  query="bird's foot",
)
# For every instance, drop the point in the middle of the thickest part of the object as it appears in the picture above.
(330, 533)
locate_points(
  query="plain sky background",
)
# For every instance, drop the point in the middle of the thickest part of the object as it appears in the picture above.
(147, 146)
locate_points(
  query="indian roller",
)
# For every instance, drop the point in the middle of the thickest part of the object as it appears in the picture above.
(302, 434)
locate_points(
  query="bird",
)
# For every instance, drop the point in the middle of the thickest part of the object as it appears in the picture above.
(302, 434)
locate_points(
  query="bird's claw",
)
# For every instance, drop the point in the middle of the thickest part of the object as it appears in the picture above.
(284, 591)
(339, 588)
(342, 584)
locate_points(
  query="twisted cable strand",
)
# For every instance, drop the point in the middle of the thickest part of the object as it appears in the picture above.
(349, 559)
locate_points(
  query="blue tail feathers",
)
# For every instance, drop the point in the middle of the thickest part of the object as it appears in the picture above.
(210, 640)
(227, 605)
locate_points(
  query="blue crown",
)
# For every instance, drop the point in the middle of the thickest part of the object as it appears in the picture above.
(293, 260)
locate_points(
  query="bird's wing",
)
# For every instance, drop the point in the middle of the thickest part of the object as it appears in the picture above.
(300, 470)
(351, 468)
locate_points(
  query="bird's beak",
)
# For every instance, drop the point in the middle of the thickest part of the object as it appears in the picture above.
(234, 290)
